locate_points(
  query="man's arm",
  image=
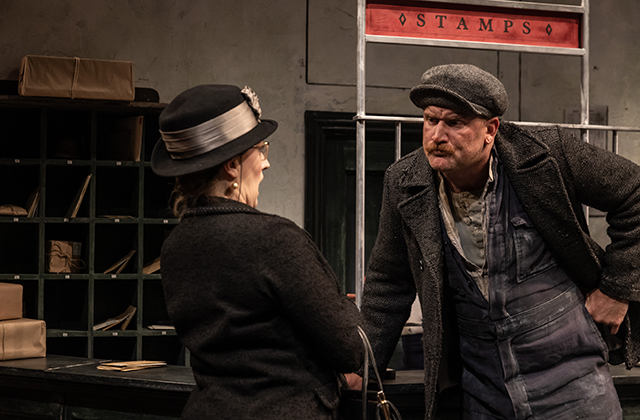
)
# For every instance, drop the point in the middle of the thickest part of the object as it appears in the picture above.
(610, 183)
(389, 289)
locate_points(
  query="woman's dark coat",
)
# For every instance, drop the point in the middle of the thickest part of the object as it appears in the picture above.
(553, 174)
(260, 310)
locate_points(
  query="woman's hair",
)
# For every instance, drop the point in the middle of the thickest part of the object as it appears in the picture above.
(191, 188)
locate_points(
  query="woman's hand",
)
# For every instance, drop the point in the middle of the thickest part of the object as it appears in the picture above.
(354, 381)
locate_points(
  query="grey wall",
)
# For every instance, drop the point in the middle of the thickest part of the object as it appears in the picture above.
(301, 56)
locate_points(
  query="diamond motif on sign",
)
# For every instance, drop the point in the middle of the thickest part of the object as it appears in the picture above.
(402, 19)
(549, 29)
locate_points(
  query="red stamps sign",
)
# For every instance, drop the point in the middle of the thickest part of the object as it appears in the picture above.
(455, 22)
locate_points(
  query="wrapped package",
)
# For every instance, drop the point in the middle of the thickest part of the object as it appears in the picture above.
(73, 77)
(22, 339)
(64, 256)
(10, 301)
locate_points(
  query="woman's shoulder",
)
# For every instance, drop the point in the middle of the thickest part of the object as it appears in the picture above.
(233, 215)
(279, 225)
(277, 232)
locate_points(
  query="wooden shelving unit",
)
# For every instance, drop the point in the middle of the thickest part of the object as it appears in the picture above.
(54, 144)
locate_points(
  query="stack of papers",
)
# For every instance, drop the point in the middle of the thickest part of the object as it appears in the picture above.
(129, 366)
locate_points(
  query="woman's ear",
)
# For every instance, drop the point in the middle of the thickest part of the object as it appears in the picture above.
(231, 168)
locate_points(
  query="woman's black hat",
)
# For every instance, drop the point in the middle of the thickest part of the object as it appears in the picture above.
(205, 126)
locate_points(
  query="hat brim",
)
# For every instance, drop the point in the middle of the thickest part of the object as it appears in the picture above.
(164, 165)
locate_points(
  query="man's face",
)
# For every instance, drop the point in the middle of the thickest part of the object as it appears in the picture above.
(457, 144)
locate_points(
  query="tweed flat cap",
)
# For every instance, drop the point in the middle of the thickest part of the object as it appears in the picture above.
(463, 88)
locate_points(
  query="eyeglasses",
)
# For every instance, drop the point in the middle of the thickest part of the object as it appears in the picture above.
(264, 149)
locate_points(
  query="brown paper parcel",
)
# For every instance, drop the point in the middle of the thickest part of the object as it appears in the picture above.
(64, 257)
(10, 301)
(22, 339)
(73, 77)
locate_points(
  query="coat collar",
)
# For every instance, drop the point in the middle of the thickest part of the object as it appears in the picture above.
(514, 145)
(538, 181)
(518, 149)
(418, 173)
(536, 177)
(526, 160)
(219, 205)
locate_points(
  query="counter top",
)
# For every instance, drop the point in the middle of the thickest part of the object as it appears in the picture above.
(180, 378)
(74, 385)
(84, 371)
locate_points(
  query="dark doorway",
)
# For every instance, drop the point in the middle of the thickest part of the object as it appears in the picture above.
(330, 183)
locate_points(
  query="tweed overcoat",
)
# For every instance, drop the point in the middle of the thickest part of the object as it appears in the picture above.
(260, 310)
(553, 173)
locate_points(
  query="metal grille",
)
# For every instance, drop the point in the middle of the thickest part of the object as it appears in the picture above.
(361, 116)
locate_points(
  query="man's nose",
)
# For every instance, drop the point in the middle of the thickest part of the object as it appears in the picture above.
(438, 133)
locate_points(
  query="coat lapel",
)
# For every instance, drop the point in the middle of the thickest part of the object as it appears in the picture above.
(538, 183)
(420, 211)
(536, 178)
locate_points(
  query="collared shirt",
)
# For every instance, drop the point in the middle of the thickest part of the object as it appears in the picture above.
(464, 219)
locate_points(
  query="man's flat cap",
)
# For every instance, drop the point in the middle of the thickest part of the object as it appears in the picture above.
(462, 88)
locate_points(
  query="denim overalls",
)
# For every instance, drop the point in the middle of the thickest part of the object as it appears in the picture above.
(531, 351)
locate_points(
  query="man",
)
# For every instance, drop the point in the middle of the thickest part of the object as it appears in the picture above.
(485, 223)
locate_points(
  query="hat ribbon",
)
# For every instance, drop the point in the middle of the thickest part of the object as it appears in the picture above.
(209, 135)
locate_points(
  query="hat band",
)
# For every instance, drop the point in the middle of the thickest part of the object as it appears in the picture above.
(209, 135)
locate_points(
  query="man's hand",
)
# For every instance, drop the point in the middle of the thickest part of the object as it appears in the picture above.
(606, 310)
(354, 381)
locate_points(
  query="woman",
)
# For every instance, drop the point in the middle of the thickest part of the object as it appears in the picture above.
(251, 296)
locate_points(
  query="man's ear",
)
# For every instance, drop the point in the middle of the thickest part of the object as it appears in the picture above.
(492, 127)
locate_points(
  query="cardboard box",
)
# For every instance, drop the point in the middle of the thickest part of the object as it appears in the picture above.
(10, 301)
(22, 339)
(73, 77)
(64, 257)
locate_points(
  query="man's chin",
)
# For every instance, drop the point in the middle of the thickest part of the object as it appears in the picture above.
(439, 163)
